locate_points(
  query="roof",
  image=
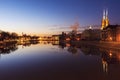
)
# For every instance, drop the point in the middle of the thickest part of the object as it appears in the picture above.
(112, 26)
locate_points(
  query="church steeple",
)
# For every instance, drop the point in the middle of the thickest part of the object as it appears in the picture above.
(104, 14)
(105, 20)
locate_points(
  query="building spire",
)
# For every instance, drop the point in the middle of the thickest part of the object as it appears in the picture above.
(105, 20)
(104, 13)
(107, 12)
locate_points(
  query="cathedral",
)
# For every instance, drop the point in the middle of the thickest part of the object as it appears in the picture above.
(109, 32)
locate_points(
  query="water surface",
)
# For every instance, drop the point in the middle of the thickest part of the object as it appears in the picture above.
(50, 61)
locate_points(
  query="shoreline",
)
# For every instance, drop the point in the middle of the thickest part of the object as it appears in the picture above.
(101, 44)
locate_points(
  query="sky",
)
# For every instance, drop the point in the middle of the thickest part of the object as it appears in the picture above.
(48, 16)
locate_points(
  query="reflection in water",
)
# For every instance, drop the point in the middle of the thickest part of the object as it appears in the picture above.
(27, 44)
(90, 50)
(105, 66)
(108, 56)
(46, 62)
(111, 56)
(49, 42)
(8, 47)
(62, 45)
(71, 47)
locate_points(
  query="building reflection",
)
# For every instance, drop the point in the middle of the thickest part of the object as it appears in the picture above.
(105, 66)
(28, 43)
(71, 48)
(62, 45)
(90, 50)
(49, 42)
(108, 56)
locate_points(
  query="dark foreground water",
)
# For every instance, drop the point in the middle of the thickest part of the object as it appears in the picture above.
(46, 61)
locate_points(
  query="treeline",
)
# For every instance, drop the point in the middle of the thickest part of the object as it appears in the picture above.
(8, 36)
(14, 36)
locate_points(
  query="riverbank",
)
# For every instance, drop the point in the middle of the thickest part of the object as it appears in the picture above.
(102, 44)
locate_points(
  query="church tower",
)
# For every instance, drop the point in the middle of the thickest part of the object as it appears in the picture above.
(105, 20)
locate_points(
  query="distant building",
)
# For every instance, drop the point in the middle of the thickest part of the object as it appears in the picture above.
(111, 33)
(55, 37)
(71, 36)
(62, 37)
(91, 34)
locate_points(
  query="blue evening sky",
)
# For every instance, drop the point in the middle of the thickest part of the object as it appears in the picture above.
(40, 16)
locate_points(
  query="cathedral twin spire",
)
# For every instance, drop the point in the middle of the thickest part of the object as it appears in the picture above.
(105, 20)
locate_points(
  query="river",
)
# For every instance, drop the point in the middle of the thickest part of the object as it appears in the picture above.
(53, 61)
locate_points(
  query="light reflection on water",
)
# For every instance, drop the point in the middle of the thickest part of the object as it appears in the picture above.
(54, 61)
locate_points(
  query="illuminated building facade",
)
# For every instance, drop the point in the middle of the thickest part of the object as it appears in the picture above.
(111, 33)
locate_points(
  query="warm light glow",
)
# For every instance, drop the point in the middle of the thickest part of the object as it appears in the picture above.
(68, 45)
(40, 38)
(118, 37)
(111, 38)
(78, 39)
(110, 54)
(119, 57)
(67, 39)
